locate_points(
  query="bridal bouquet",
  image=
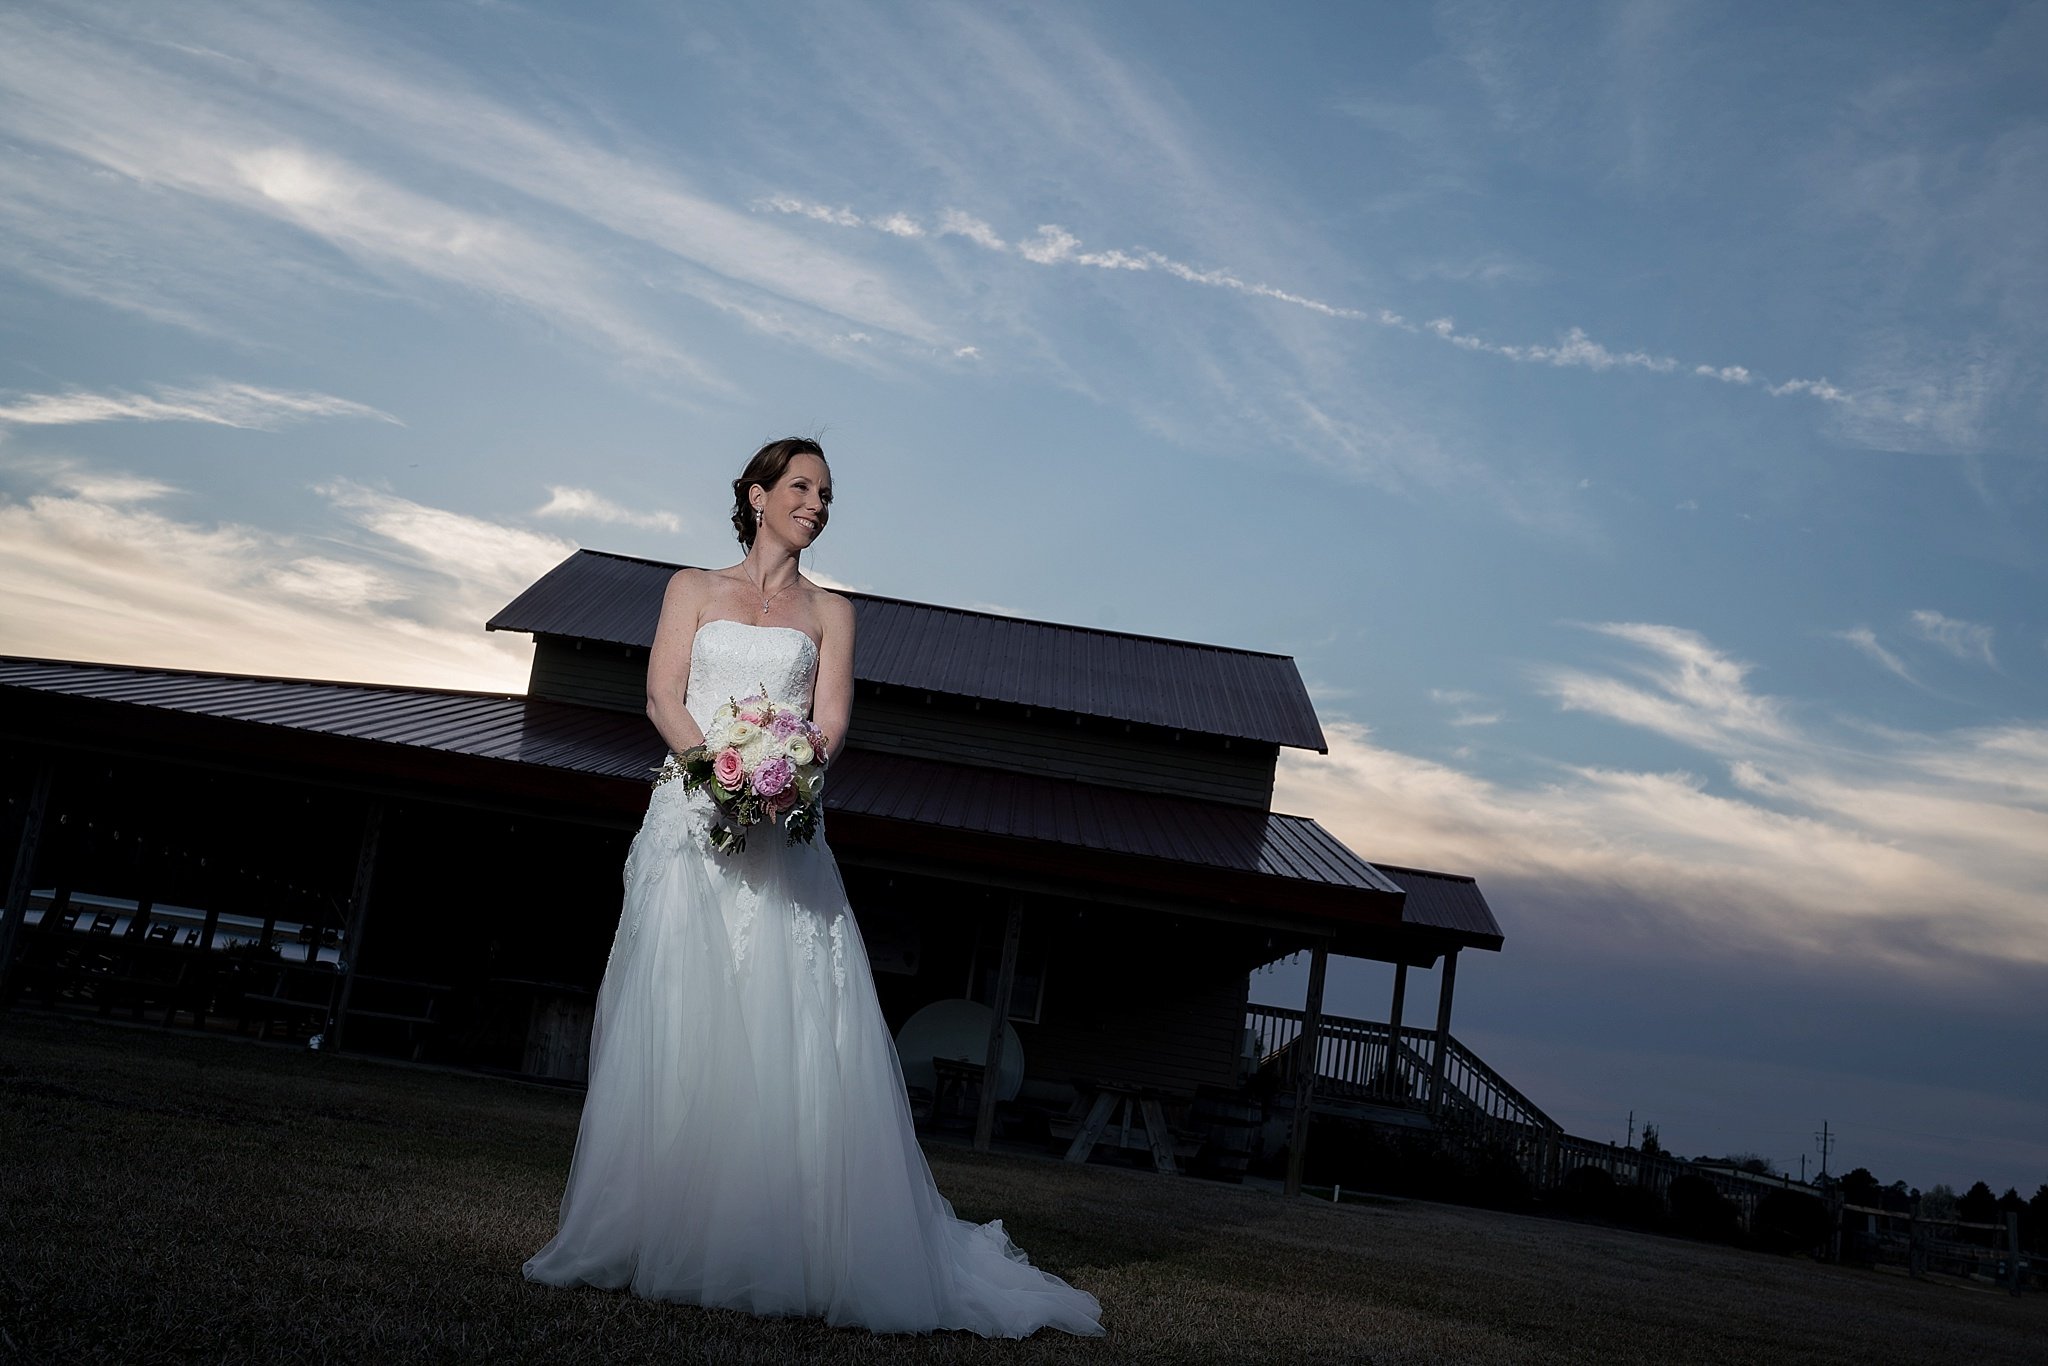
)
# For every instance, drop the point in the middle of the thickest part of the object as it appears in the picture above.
(760, 762)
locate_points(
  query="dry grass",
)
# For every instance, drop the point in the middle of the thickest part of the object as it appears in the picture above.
(177, 1197)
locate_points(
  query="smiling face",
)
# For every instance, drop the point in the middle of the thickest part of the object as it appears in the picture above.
(797, 508)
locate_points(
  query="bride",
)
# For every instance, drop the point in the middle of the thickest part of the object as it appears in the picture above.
(746, 1142)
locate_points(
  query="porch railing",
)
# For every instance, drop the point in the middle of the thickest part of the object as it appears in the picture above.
(1362, 1060)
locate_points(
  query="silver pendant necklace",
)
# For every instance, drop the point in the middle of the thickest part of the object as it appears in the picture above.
(756, 583)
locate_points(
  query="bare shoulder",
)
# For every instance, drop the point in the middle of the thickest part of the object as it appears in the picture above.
(834, 611)
(684, 598)
(689, 583)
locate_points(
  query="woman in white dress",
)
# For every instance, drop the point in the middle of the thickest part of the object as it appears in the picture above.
(746, 1142)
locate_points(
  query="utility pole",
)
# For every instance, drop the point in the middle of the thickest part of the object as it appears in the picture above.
(1631, 1130)
(1826, 1142)
(1802, 1169)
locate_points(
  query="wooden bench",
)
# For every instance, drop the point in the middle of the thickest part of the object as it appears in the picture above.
(299, 997)
(395, 1000)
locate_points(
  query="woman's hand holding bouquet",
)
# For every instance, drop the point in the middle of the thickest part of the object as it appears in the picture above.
(760, 762)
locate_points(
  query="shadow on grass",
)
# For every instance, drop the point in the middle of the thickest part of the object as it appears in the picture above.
(174, 1196)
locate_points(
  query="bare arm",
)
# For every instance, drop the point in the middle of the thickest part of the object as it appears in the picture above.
(668, 662)
(832, 695)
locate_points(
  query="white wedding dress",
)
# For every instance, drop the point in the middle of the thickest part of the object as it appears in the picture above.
(746, 1142)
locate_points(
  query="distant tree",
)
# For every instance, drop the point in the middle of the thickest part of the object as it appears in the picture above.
(1859, 1187)
(1786, 1221)
(1897, 1198)
(1750, 1162)
(1585, 1190)
(1978, 1205)
(1940, 1205)
(1699, 1210)
(1651, 1146)
(2010, 1202)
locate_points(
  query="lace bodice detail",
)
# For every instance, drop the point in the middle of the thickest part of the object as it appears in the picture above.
(730, 659)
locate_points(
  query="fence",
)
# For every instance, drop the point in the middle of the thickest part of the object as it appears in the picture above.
(1360, 1063)
(1951, 1247)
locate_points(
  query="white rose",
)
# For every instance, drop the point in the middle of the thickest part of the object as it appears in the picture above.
(799, 750)
(755, 746)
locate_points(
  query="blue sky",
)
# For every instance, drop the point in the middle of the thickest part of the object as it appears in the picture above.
(1629, 415)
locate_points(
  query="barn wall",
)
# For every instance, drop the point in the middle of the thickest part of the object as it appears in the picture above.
(589, 672)
(1128, 1007)
(1093, 752)
(899, 722)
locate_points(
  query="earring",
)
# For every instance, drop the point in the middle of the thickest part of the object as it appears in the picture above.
(757, 514)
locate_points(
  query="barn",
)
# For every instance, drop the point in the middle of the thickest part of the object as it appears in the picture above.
(1059, 842)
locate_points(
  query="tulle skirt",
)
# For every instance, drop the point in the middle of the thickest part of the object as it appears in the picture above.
(746, 1142)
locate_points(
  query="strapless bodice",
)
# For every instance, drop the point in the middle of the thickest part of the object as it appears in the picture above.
(731, 659)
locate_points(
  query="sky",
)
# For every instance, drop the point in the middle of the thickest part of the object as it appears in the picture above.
(1630, 416)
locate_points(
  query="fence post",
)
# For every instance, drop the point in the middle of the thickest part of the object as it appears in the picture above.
(2012, 1250)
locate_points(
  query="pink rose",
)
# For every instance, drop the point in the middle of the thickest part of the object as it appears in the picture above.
(728, 768)
(781, 802)
(785, 724)
(773, 776)
(753, 714)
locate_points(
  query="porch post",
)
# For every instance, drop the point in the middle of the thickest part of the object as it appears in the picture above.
(1305, 1065)
(1396, 1070)
(21, 880)
(992, 1059)
(358, 915)
(1443, 1030)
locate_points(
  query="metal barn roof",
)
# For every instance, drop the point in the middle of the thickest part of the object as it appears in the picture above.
(522, 730)
(1179, 685)
(1111, 820)
(1204, 848)
(609, 744)
(1445, 901)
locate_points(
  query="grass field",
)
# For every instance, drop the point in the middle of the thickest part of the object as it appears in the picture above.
(170, 1196)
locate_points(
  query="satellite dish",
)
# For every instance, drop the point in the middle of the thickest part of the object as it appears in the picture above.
(957, 1029)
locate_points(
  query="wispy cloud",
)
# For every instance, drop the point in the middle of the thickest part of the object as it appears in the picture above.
(1469, 707)
(1686, 689)
(1933, 845)
(586, 505)
(470, 549)
(567, 227)
(1966, 640)
(99, 566)
(1866, 642)
(1053, 245)
(220, 403)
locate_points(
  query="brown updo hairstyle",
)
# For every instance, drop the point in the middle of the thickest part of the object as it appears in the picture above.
(767, 467)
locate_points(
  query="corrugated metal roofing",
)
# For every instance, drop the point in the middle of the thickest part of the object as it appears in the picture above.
(490, 726)
(592, 740)
(1445, 901)
(1112, 820)
(1181, 685)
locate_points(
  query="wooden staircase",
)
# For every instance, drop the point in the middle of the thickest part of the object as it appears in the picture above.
(1363, 1071)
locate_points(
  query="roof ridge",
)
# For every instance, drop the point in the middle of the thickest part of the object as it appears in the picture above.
(973, 611)
(1424, 872)
(167, 671)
